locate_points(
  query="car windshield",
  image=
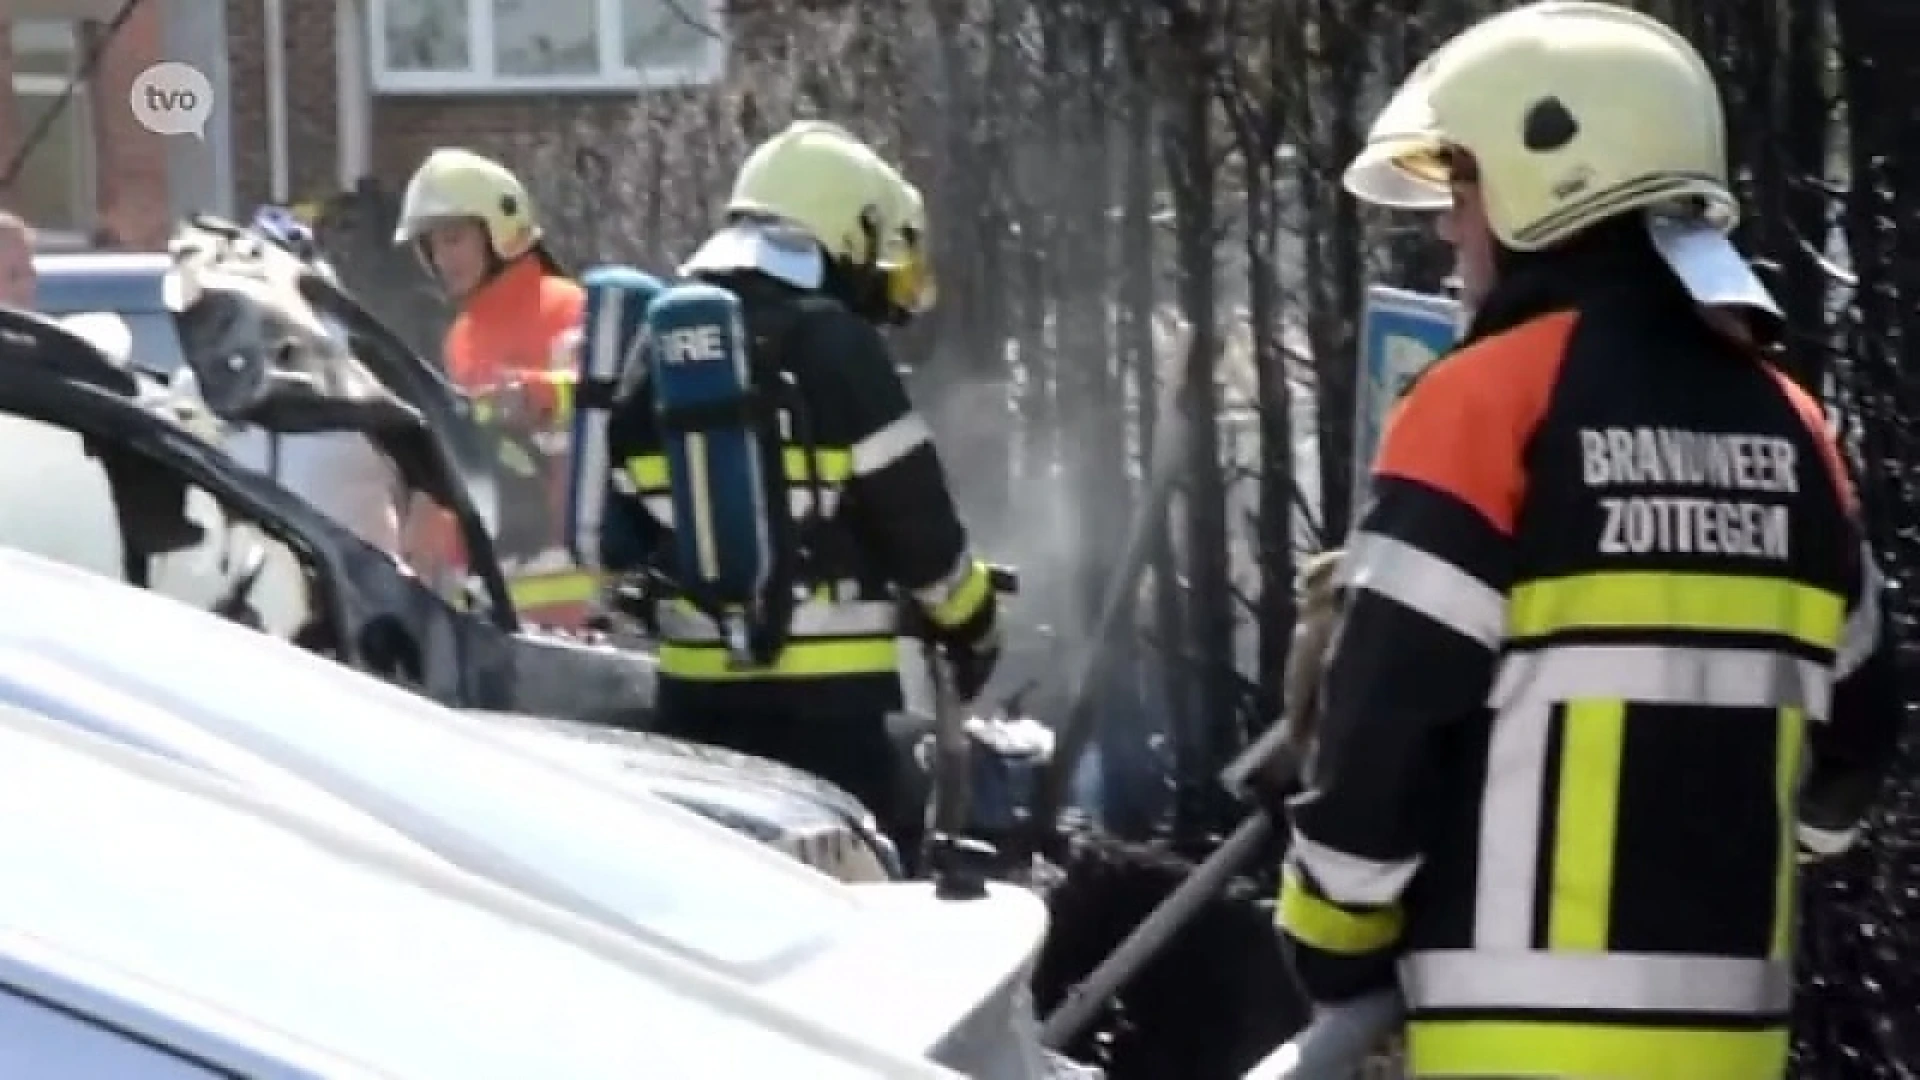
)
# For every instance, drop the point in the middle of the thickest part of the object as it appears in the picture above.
(208, 920)
(631, 861)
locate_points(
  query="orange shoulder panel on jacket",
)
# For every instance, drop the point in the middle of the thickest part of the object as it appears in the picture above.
(1816, 420)
(1464, 427)
(562, 303)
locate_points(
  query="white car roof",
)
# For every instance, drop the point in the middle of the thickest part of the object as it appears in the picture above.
(181, 910)
(151, 672)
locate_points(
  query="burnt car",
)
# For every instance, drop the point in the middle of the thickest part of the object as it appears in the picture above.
(116, 465)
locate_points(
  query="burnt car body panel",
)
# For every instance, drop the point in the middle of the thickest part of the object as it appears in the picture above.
(376, 617)
(582, 698)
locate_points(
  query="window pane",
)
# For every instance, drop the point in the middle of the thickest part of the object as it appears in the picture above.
(667, 34)
(546, 37)
(43, 47)
(427, 35)
(54, 190)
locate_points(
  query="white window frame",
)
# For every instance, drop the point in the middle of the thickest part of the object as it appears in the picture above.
(614, 75)
(85, 165)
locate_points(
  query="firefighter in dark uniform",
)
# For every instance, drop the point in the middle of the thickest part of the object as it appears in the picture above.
(816, 213)
(1612, 648)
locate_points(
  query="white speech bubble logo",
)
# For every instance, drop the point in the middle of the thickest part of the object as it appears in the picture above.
(172, 99)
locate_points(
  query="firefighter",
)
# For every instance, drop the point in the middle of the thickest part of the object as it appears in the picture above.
(1612, 647)
(816, 213)
(472, 223)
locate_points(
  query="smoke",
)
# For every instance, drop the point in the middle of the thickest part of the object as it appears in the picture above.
(1019, 510)
(1047, 465)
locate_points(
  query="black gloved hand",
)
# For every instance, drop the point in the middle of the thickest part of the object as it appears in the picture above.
(972, 664)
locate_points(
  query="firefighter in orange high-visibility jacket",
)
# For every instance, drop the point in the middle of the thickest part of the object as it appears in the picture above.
(1612, 647)
(512, 347)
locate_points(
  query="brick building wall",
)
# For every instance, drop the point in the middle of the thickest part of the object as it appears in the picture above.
(407, 128)
(403, 128)
(131, 178)
(313, 141)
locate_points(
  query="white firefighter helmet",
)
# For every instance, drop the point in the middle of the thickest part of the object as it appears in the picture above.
(1573, 111)
(810, 193)
(453, 185)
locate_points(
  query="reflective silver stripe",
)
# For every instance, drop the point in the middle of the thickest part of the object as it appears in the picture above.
(661, 507)
(1350, 879)
(1635, 982)
(1428, 584)
(1662, 675)
(800, 500)
(890, 444)
(1510, 819)
(679, 624)
(1862, 633)
(600, 360)
(604, 357)
(589, 479)
(799, 504)
(1825, 843)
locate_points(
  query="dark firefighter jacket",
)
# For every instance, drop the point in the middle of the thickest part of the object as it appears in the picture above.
(1610, 581)
(891, 525)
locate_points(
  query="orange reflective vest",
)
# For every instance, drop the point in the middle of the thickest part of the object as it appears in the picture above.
(520, 328)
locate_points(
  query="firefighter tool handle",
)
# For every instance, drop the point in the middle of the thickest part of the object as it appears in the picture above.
(953, 861)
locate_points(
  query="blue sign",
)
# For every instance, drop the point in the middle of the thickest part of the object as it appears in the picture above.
(1401, 333)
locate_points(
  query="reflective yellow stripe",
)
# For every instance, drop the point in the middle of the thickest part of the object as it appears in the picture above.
(1329, 927)
(1788, 746)
(550, 590)
(649, 471)
(960, 605)
(1593, 1051)
(1583, 831)
(563, 384)
(831, 466)
(800, 659)
(1712, 602)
